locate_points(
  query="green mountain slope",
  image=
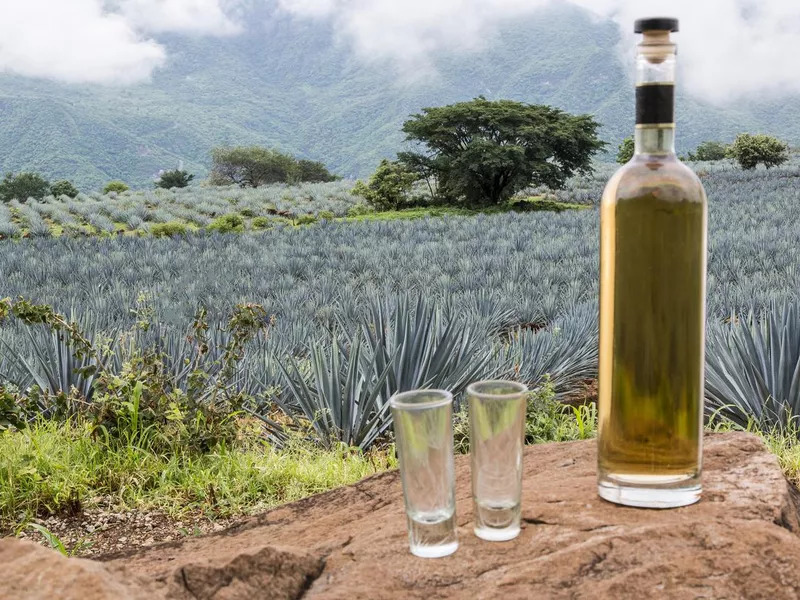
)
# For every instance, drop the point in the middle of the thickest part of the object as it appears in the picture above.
(289, 84)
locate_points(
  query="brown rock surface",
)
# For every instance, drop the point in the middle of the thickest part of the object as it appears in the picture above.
(738, 542)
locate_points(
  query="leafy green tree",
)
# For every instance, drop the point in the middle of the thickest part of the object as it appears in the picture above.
(23, 186)
(625, 150)
(64, 188)
(174, 179)
(389, 188)
(751, 150)
(483, 152)
(115, 186)
(709, 151)
(314, 172)
(252, 166)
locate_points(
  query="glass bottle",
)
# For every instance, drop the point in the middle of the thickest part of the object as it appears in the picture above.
(652, 302)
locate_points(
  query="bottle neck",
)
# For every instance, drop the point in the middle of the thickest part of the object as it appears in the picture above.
(655, 95)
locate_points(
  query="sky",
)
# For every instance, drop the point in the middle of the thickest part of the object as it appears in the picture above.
(728, 48)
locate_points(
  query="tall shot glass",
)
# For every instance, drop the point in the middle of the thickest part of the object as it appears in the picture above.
(423, 425)
(497, 436)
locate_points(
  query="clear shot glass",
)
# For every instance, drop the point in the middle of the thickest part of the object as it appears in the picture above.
(497, 437)
(423, 426)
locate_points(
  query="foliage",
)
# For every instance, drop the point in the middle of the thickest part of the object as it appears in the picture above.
(626, 150)
(314, 172)
(254, 166)
(169, 229)
(390, 186)
(115, 186)
(708, 151)
(231, 223)
(174, 179)
(305, 219)
(50, 468)
(752, 150)
(23, 186)
(64, 188)
(485, 151)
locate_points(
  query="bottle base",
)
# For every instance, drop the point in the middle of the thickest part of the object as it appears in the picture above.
(650, 491)
(497, 522)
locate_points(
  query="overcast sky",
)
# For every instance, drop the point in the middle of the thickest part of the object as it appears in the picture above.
(728, 48)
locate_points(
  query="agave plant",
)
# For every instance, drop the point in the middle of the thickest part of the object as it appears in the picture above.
(753, 368)
(567, 351)
(419, 348)
(342, 401)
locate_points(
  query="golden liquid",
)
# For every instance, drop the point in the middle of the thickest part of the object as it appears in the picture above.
(652, 324)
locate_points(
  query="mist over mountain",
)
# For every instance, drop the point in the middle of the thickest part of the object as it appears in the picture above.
(295, 84)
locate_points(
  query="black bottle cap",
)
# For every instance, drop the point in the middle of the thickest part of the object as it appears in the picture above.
(656, 24)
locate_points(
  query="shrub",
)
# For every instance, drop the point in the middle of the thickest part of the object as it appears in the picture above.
(168, 229)
(115, 186)
(326, 215)
(709, 151)
(64, 188)
(23, 186)
(174, 179)
(305, 219)
(752, 150)
(247, 212)
(262, 223)
(389, 188)
(231, 223)
(359, 210)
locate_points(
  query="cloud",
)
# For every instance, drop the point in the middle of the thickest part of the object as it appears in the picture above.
(89, 41)
(204, 17)
(728, 48)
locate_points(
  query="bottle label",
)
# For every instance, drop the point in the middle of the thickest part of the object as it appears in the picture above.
(655, 104)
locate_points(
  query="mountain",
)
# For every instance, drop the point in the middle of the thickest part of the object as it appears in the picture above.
(288, 83)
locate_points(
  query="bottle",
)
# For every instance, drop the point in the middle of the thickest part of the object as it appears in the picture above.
(652, 302)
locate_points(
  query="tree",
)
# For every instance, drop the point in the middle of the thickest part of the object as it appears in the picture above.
(63, 188)
(252, 166)
(389, 188)
(482, 152)
(115, 186)
(709, 151)
(626, 150)
(315, 172)
(174, 179)
(23, 186)
(751, 150)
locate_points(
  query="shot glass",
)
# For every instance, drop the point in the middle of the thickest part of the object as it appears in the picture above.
(497, 430)
(423, 426)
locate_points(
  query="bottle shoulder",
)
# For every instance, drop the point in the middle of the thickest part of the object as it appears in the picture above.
(666, 177)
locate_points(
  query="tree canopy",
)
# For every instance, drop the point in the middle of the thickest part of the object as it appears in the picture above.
(23, 186)
(64, 188)
(389, 188)
(752, 150)
(115, 186)
(484, 151)
(174, 179)
(254, 166)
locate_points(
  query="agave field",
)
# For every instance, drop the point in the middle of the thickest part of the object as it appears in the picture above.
(362, 309)
(196, 209)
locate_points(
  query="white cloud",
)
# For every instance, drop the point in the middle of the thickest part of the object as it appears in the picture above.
(728, 48)
(186, 16)
(97, 41)
(73, 41)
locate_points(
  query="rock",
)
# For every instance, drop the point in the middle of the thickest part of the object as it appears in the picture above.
(740, 541)
(33, 572)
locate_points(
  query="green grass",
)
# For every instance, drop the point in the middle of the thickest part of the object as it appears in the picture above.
(50, 468)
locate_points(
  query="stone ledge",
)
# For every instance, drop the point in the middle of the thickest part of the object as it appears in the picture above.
(739, 541)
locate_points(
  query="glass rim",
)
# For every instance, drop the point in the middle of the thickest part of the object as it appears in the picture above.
(398, 400)
(521, 389)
